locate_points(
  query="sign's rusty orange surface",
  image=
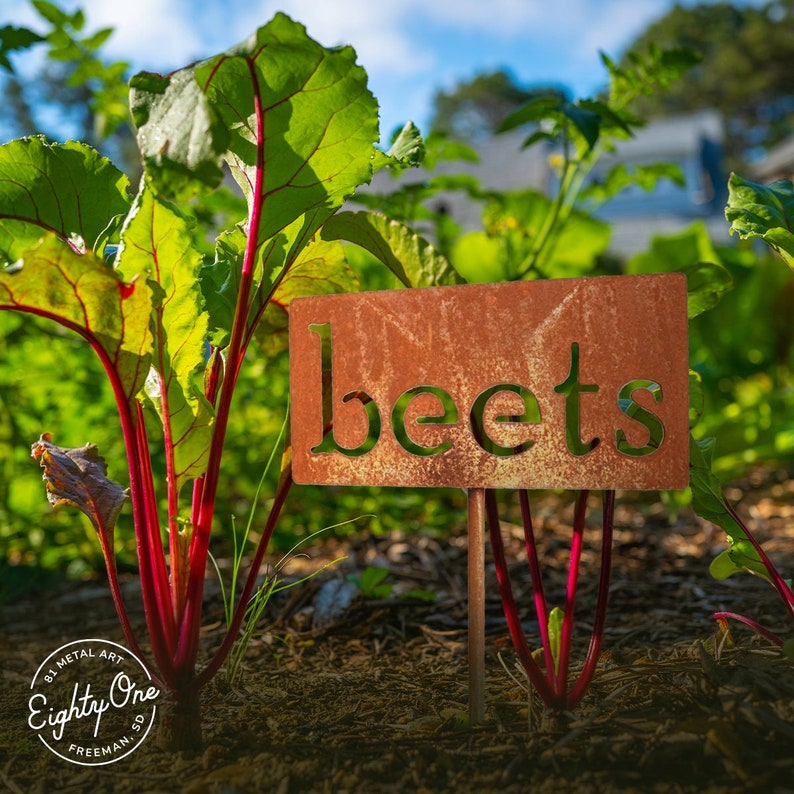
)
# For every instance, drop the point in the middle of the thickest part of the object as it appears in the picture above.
(569, 383)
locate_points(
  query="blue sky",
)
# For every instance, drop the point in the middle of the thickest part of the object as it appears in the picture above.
(410, 48)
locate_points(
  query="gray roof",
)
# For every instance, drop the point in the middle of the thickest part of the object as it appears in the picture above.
(636, 215)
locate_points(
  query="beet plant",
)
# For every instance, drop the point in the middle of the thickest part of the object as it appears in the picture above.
(761, 212)
(529, 235)
(295, 126)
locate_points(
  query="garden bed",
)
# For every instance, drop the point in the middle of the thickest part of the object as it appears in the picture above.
(374, 699)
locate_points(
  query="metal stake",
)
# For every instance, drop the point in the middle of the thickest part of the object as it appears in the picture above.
(476, 532)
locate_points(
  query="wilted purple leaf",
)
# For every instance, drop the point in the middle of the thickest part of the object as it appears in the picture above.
(78, 477)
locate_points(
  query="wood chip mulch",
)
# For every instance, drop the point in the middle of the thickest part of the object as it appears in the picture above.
(373, 697)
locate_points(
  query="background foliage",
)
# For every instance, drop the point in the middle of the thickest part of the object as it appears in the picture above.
(744, 72)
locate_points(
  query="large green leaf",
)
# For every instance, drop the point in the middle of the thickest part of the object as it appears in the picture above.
(64, 188)
(157, 243)
(576, 247)
(411, 258)
(765, 212)
(480, 258)
(321, 269)
(302, 123)
(82, 293)
(692, 252)
(707, 497)
(179, 135)
(301, 131)
(669, 253)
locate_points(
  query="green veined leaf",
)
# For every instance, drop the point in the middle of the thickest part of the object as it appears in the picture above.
(82, 293)
(763, 212)
(65, 188)
(303, 125)
(413, 260)
(321, 269)
(157, 243)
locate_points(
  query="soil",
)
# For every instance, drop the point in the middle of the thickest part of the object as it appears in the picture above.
(373, 697)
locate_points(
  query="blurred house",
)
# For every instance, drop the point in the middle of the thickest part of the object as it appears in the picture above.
(692, 141)
(778, 163)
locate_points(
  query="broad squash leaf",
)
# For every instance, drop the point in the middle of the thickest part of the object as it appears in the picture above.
(513, 222)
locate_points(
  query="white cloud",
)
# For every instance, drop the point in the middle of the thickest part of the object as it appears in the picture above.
(621, 22)
(409, 47)
(379, 30)
(390, 36)
(150, 33)
(502, 17)
(153, 33)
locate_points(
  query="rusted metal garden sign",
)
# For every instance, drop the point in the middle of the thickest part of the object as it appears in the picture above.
(569, 383)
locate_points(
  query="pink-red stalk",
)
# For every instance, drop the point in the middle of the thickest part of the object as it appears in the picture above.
(536, 577)
(754, 625)
(531, 667)
(561, 682)
(187, 647)
(551, 684)
(784, 591)
(594, 649)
